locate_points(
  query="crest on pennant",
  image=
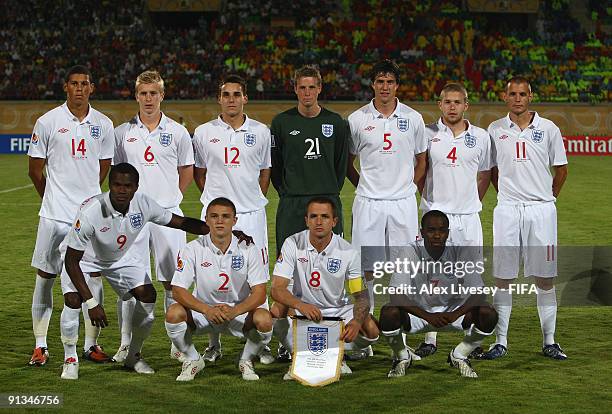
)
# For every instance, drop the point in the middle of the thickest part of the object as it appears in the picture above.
(333, 265)
(136, 220)
(327, 130)
(237, 262)
(537, 135)
(402, 124)
(95, 131)
(250, 139)
(317, 339)
(470, 140)
(165, 139)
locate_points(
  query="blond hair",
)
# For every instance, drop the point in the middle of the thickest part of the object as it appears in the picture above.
(454, 87)
(148, 77)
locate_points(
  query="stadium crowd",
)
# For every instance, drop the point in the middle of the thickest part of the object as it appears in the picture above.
(118, 40)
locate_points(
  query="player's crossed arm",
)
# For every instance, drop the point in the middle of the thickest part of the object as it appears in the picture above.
(281, 294)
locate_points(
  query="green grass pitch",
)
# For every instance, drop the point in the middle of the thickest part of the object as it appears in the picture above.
(523, 381)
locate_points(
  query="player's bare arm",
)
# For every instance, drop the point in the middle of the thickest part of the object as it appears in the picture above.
(104, 169)
(494, 177)
(351, 172)
(420, 168)
(188, 301)
(421, 184)
(199, 175)
(361, 310)
(559, 178)
(437, 319)
(252, 302)
(264, 180)
(72, 260)
(188, 224)
(185, 173)
(281, 294)
(484, 179)
(35, 172)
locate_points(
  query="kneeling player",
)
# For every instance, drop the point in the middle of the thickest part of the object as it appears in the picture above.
(319, 263)
(99, 241)
(446, 307)
(230, 290)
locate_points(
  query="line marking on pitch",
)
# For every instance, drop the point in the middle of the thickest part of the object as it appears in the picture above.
(16, 188)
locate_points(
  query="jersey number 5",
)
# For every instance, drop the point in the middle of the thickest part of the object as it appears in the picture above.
(387, 141)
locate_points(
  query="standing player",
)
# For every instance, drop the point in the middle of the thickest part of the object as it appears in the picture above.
(160, 149)
(319, 264)
(389, 139)
(229, 295)
(106, 226)
(458, 175)
(75, 142)
(309, 158)
(417, 311)
(525, 147)
(233, 160)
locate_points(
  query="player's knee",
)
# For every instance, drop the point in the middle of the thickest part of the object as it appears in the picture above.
(72, 300)
(370, 329)
(278, 310)
(487, 318)
(262, 319)
(167, 285)
(545, 283)
(176, 313)
(45, 275)
(389, 318)
(503, 283)
(145, 293)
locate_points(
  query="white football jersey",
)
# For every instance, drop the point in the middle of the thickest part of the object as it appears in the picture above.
(73, 150)
(451, 183)
(219, 277)
(319, 278)
(386, 148)
(108, 233)
(233, 160)
(438, 274)
(524, 159)
(156, 155)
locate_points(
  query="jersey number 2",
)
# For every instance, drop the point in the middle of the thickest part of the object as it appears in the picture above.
(223, 287)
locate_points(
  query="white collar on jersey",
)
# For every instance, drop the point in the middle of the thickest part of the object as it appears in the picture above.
(396, 113)
(325, 251)
(244, 127)
(534, 123)
(162, 122)
(72, 117)
(443, 127)
(233, 247)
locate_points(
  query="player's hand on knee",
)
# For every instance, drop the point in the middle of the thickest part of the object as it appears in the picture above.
(98, 317)
(242, 237)
(311, 312)
(229, 311)
(437, 319)
(451, 316)
(350, 332)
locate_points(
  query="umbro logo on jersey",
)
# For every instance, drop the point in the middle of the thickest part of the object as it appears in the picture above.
(104, 229)
(303, 260)
(133, 139)
(63, 130)
(214, 140)
(294, 132)
(369, 128)
(435, 139)
(206, 264)
(503, 136)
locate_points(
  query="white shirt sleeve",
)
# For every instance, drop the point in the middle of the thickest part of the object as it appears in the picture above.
(353, 270)
(39, 141)
(198, 148)
(285, 264)
(354, 138)
(156, 213)
(107, 141)
(81, 233)
(493, 148)
(266, 159)
(185, 149)
(184, 275)
(485, 158)
(119, 155)
(256, 273)
(420, 141)
(556, 149)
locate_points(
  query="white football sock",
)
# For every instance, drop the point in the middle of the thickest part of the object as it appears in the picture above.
(370, 284)
(470, 342)
(69, 329)
(430, 338)
(125, 312)
(360, 343)
(168, 300)
(396, 342)
(502, 302)
(255, 342)
(281, 330)
(42, 307)
(547, 310)
(92, 332)
(180, 336)
(142, 322)
(214, 340)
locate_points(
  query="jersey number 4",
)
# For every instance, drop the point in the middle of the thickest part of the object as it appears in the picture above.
(452, 155)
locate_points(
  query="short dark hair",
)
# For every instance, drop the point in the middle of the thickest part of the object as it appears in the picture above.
(78, 70)
(431, 214)
(307, 71)
(123, 168)
(323, 200)
(383, 67)
(233, 79)
(518, 80)
(222, 201)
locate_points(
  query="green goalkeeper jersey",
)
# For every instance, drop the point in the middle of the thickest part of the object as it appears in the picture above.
(309, 155)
